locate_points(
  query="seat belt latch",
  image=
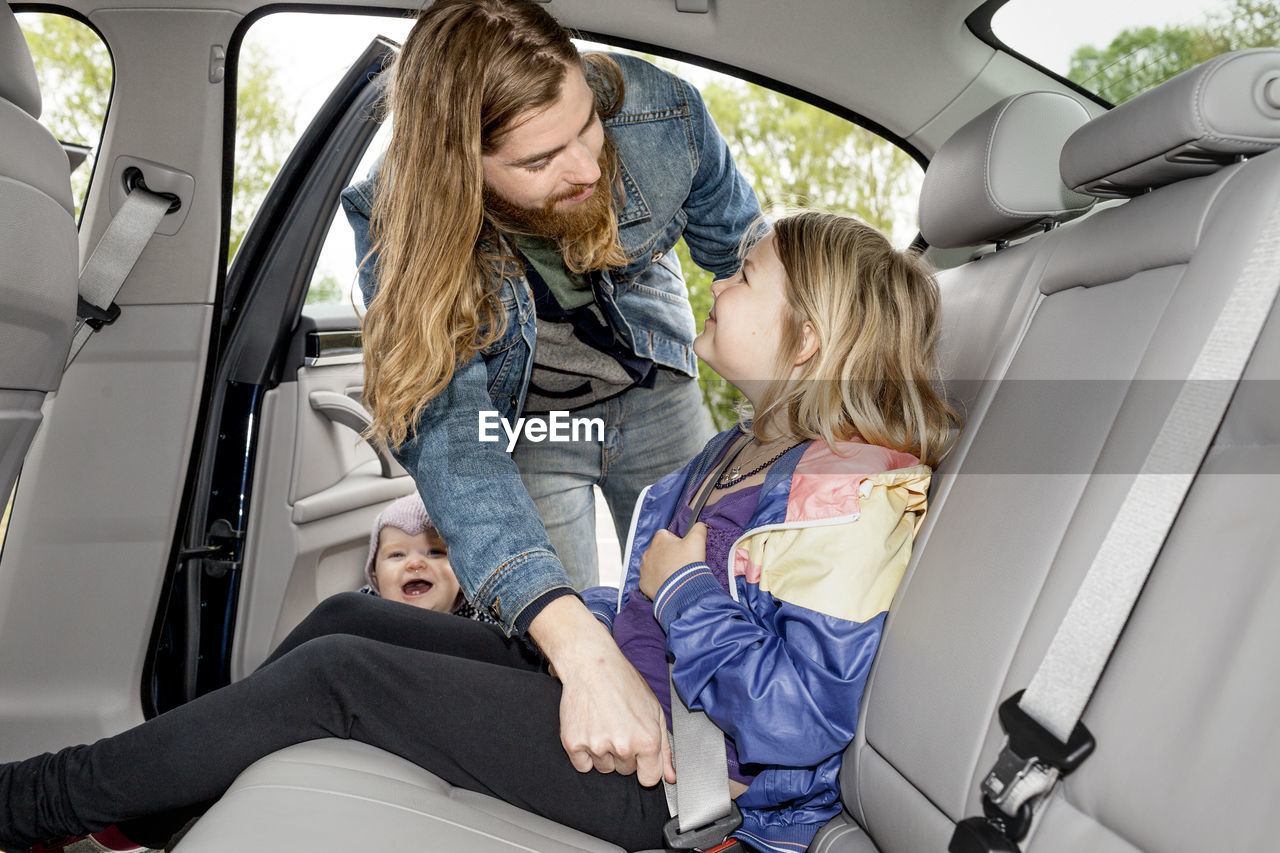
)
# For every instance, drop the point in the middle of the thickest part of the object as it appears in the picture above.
(94, 316)
(1030, 747)
(1030, 763)
(703, 837)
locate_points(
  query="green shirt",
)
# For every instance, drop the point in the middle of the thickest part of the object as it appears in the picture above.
(571, 290)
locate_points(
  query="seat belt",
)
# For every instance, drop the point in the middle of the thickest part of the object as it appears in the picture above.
(1044, 738)
(112, 260)
(703, 814)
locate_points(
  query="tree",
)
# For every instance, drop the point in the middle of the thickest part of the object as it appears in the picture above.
(265, 133)
(1140, 58)
(325, 289)
(1243, 24)
(75, 75)
(1136, 60)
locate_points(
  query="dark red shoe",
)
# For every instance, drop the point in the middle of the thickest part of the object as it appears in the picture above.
(109, 840)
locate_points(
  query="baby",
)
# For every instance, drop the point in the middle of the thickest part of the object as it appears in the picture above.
(409, 561)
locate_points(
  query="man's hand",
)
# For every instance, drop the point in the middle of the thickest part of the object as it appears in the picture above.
(668, 553)
(609, 718)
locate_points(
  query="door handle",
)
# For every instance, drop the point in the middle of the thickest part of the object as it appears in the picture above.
(341, 409)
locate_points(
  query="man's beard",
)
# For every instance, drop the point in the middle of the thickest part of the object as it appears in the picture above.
(587, 221)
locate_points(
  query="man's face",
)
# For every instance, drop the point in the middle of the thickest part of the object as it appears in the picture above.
(547, 169)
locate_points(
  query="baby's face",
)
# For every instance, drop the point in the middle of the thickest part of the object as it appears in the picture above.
(415, 570)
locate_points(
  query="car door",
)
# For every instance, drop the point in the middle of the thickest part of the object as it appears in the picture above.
(283, 489)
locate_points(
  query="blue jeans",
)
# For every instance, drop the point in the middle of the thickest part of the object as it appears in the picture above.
(648, 432)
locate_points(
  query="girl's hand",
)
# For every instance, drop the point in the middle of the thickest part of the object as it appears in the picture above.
(668, 553)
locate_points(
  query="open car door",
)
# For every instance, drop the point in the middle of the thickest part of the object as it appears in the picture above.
(283, 490)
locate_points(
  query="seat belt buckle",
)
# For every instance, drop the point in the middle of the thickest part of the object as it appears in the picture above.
(1030, 739)
(94, 316)
(1030, 751)
(703, 837)
(1010, 769)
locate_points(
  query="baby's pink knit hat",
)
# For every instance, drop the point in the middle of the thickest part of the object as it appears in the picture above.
(406, 513)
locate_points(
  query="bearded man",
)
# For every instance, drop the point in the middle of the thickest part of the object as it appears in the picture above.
(518, 257)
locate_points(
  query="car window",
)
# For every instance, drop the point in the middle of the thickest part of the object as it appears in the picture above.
(795, 154)
(75, 73)
(288, 64)
(1119, 50)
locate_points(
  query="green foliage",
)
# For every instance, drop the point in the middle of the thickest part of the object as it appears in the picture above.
(1244, 24)
(325, 289)
(1136, 60)
(797, 155)
(1140, 58)
(265, 133)
(75, 75)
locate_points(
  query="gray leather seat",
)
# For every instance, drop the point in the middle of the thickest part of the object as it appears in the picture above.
(39, 254)
(1066, 350)
(1113, 310)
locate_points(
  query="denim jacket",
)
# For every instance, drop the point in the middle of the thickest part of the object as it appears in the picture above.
(679, 180)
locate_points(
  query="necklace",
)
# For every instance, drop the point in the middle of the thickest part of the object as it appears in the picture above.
(735, 474)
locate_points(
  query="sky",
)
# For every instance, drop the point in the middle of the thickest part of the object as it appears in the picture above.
(1024, 25)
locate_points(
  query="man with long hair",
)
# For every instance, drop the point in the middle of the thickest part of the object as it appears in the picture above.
(517, 245)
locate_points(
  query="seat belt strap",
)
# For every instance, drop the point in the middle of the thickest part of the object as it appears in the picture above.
(700, 801)
(703, 812)
(1046, 716)
(112, 260)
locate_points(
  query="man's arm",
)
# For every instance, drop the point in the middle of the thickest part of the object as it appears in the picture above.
(722, 206)
(609, 718)
(499, 548)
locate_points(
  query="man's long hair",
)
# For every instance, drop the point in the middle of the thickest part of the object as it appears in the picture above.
(469, 70)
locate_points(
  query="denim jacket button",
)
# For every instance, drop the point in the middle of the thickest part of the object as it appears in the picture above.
(657, 255)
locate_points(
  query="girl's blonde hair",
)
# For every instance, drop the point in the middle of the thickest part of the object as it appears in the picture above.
(469, 71)
(875, 312)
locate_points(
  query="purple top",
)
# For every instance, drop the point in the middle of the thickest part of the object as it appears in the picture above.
(638, 633)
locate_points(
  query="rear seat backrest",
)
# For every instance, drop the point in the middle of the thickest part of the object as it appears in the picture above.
(38, 254)
(1188, 754)
(994, 181)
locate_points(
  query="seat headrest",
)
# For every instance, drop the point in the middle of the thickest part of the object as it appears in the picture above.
(1190, 125)
(997, 178)
(17, 75)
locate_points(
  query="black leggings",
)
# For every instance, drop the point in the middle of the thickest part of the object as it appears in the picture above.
(453, 696)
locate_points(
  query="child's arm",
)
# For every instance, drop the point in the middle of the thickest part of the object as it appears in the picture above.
(602, 601)
(785, 685)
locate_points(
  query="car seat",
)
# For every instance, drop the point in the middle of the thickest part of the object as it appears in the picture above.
(39, 254)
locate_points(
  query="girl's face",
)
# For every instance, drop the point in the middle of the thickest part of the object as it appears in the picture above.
(415, 570)
(743, 333)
